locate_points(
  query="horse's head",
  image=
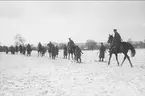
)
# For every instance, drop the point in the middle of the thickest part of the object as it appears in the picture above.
(110, 39)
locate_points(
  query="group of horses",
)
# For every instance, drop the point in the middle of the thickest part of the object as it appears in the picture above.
(52, 50)
(75, 51)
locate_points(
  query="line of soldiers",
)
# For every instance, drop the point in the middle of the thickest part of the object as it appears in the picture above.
(21, 48)
(77, 52)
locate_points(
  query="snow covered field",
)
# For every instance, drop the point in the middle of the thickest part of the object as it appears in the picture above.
(39, 76)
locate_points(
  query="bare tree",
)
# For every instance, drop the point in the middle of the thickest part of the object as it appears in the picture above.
(90, 44)
(19, 39)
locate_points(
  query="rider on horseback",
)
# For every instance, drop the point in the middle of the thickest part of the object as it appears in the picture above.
(71, 43)
(49, 44)
(116, 40)
(39, 45)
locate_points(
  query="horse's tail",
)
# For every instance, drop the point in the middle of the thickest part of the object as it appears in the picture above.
(133, 52)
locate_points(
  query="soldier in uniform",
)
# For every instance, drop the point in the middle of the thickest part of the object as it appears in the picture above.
(102, 52)
(65, 52)
(29, 49)
(78, 53)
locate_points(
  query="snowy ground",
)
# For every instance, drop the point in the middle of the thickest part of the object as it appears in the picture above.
(39, 76)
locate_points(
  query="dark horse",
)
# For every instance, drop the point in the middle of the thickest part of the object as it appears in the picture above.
(124, 48)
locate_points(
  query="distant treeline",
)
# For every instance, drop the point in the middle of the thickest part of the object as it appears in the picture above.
(89, 45)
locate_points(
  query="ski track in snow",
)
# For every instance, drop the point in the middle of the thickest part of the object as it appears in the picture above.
(39, 76)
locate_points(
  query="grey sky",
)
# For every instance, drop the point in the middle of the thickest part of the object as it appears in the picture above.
(59, 20)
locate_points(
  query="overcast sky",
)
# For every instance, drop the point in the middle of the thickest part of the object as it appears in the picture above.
(59, 20)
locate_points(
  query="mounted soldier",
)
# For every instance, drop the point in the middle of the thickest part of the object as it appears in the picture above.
(49, 45)
(71, 43)
(102, 52)
(71, 48)
(39, 45)
(117, 46)
(116, 40)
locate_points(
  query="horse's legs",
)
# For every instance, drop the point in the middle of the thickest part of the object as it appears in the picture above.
(123, 59)
(117, 59)
(109, 58)
(129, 60)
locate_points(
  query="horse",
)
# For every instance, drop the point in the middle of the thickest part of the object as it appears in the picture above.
(124, 48)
